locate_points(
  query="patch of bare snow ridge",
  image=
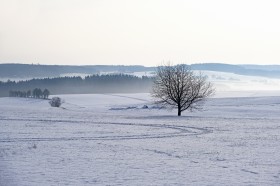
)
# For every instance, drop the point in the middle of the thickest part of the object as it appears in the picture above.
(234, 140)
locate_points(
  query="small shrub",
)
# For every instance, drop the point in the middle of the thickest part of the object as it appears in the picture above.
(55, 102)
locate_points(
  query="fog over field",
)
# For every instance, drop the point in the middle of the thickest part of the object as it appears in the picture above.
(61, 79)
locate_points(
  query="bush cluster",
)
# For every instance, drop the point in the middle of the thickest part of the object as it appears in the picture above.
(55, 102)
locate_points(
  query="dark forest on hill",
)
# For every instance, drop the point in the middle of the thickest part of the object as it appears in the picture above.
(119, 83)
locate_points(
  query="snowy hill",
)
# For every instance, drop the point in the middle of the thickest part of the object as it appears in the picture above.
(233, 141)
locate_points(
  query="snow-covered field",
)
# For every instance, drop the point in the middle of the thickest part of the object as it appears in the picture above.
(112, 140)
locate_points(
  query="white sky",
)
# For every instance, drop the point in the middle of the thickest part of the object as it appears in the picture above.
(144, 32)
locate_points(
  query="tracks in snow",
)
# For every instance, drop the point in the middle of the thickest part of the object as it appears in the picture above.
(172, 131)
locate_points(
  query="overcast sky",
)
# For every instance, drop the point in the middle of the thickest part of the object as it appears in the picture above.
(144, 32)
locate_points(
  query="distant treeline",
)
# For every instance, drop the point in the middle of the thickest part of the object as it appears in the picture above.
(42, 71)
(36, 93)
(17, 71)
(119, 83)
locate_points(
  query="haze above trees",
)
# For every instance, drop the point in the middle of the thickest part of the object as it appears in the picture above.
(41, 71)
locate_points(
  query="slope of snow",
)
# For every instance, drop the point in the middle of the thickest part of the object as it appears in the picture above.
(232, 141)
(233, 82)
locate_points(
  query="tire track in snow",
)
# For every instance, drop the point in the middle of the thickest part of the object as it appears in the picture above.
(177, 131)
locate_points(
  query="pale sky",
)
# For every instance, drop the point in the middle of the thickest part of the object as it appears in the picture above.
(143, 32)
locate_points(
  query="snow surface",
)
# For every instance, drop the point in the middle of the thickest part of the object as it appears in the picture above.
(105, 139)
(224, 81)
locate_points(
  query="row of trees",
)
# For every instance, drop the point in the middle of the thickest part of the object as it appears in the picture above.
(111, 83)
(36, 93)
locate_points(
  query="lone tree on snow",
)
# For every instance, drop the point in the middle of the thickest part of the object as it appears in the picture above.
(177, 86)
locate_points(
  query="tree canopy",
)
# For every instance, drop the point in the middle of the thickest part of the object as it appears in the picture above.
(179, 87)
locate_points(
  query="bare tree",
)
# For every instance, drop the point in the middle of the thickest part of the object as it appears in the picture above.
(46, 94)
(177, 86)
(28, 93)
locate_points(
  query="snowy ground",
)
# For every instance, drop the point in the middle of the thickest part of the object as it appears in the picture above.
(112, 140)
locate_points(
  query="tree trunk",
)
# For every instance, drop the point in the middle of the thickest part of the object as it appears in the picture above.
(179, 111)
